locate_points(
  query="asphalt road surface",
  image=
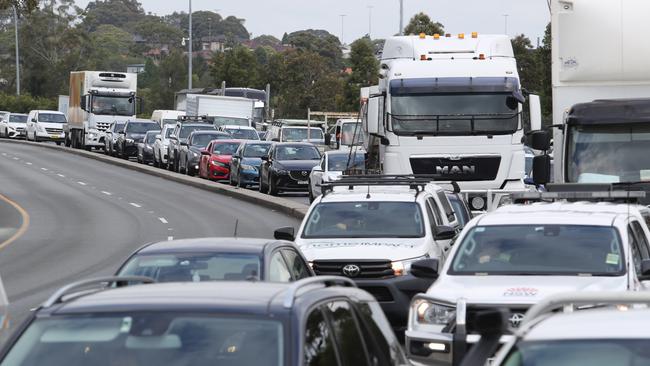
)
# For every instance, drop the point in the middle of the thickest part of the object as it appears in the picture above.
(86, 216)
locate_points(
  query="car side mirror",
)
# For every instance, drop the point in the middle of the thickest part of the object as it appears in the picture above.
(285, 233)
(34, 120)
(265, 158)
(491, 325)
(425, 268)
(275, 139)
(184, 143)
(205, 152)
(172, 137)
(645, 270)
(539, 140)
(122, 133)
(541, 169)
(317, 168)
(444, 233)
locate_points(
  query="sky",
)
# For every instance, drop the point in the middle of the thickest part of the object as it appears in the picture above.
(458, 16)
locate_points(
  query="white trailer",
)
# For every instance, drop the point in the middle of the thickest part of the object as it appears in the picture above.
(221, 110)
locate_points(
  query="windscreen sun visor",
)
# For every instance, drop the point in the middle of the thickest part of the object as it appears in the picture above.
(457, 85)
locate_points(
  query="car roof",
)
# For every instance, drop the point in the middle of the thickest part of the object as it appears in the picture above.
(195, 124)
(577, 213)
(256, 142)
(238, 127)
(243, 245)
(589, 324)
(228, 141)
(377, 194)
(47, 111)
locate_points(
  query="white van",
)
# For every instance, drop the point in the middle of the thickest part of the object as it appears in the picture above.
(46, 126)
(164, 117)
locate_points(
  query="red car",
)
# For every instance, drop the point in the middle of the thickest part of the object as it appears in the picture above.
(216, 158)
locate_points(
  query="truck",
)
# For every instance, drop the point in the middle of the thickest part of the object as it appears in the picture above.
(601, 86)
(453, 107)
(221, 110)
(96, 100)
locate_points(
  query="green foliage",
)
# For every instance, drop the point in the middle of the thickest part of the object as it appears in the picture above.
(545, 59)
(24, 6)
(238, 66)
(365, 68)
(26, 103)
(114, 12)
(318, 41)
(421, 23)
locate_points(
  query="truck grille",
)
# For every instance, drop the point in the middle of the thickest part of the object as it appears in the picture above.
(54, 130)
(464, 169)
(299, 175)
(516, 316)
(103, 126)
(354, 268)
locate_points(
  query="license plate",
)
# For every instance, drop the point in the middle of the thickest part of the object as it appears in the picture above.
(303, 182)
(54, 136)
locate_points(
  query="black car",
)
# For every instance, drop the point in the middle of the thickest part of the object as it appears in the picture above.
(145, 147)
(287, 167)
(112, 133)
(128, 139)
(218, 259)
(189, 154)
(312, 322)
(179, 136)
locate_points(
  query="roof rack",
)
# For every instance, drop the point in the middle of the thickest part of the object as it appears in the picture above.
(414, 181)
(325, 280)
(101, 282)
(592, 196)
(194, 119)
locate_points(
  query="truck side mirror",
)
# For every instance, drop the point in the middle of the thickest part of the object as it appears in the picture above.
(372, 116)
(539, 140)
(535, 112)
(541, 169)
(425, 268)
(285, 233)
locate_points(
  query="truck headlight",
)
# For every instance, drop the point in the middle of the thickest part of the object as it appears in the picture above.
(402, 268)
(427, 312)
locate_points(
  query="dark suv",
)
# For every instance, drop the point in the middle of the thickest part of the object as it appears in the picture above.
(287, 167)
(315, 321)
(179, 138)
(134, 131)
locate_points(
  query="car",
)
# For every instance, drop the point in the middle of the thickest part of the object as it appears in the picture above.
(262, 135)
(133, 133)
(218, 259)
(518, 254)
(346, 133)
(44, 125)
(145, 147)
(331, 167)
(246, 162)
(112, 133)
(373, 230)
(166, 117)
(4, 115)
(286, 167)
(240, 132)
(179, 136)
(215, 159)
(161, 144)
(311, 322)
(13, 125)
(190, 154)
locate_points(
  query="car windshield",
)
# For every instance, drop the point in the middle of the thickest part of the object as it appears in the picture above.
(297, 153)
(256, 150)
(187, 130)
(18, 118)
(194, 267)
(148, 338)
(569, 352)
(52, 118)
(169, 132)
(116, 106)
(140, 127)
(203, 139)
(119, 127)
(454, 114)
(226, 148)
(295, 134)
(243, 134)
(365, 220)
(351, 134)
(341, 162)
(540, 250)
(608, 154)
(151, 137)
(224, 121)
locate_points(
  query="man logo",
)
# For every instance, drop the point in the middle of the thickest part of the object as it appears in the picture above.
(351, 270)
(516, 319)
(456, 169)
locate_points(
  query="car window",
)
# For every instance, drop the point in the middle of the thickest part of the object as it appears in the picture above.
(432, 218)
(256, 150)
(636, 251)
(431, 204)
(383, 347)
(296, 265)
(641, 239)
(298, 153)
(319, 347)
(346, 334)
(444, 201)
(278, 271)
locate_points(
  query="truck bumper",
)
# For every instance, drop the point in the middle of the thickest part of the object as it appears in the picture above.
(441, 349)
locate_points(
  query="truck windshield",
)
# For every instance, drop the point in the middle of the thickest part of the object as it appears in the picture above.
(115, 106)
(51, 118)
(608, 154)
(365, 220)
(515, 250)
(140, 127)
(224, 121)
(295, 134)
(351, 134)
(454, 114)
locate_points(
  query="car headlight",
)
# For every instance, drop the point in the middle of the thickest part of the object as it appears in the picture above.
(247, 167)
(280, 171)
(427, 312)
(218, 163)
(130, 141)
(195, 154)
(402, 268)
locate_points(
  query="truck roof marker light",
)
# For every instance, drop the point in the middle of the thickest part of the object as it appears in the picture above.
(436, 36)
(481, 56)
(448, 35)
(461, 35)
(423, 57)
(423, 35)
(474, 34)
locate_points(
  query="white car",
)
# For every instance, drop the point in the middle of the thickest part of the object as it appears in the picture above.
(240, 132)
(13, 125)
(46, 126)
(161, 144)
(331, 167)
(515, 256)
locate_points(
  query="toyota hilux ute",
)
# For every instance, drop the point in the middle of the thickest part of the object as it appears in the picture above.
(372, 230)
(515, 256)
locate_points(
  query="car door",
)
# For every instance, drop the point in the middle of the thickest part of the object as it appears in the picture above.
(235, 162)
(265, 165)
(205, 160)
(318, 343)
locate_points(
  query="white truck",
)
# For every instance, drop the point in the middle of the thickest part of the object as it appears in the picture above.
(450, 106)
(221, 110)
(600, 80)
(97, 99)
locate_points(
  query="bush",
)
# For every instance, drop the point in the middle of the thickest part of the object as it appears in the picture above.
(26, 103)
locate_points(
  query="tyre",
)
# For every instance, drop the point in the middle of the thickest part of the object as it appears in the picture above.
(273, 190)
(58, 143)
(230, 180)
(262, 187)
(189, 171)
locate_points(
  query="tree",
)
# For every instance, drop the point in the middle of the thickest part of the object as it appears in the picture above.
(22, 5)
(119, 13)
(365, 68)
(545, 60)
(237, 67)
(528, 65)
(319, 41)
(421, 23)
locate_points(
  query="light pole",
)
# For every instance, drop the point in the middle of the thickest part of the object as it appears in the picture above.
(342, 27)
(401, 17)
(17, 52)
(190, 57)
(370, 21)
(505, 17)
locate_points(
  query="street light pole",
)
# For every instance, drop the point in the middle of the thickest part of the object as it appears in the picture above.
(189, 64)
(401, 17)
(505, 16)
(370, 21)
(342, 27)
(17, 52)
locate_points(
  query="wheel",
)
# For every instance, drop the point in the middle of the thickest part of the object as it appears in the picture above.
(262, 187)
(230, 180)
(273, 190)
(189, 171)
(58, 143)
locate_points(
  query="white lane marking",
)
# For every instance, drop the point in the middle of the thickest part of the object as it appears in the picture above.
(82, 183)
(170, 238)
(16, 158)
(44, 169)
(134, 204)
(4, 154)
(170, 229)
(61, 175)
(163, 220)
(107, 193)
(28, 163)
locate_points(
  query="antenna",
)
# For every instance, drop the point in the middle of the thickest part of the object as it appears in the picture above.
(236, 226)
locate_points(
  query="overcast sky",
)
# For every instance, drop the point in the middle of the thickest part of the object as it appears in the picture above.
(278, 16)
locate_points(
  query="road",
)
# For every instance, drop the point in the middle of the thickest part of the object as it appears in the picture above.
(87, 216)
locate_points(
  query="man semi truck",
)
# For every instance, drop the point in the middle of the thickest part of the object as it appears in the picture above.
(450, 106)
(97, 99)
(601, 91)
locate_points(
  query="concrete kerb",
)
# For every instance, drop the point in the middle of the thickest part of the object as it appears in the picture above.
(291, 208)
